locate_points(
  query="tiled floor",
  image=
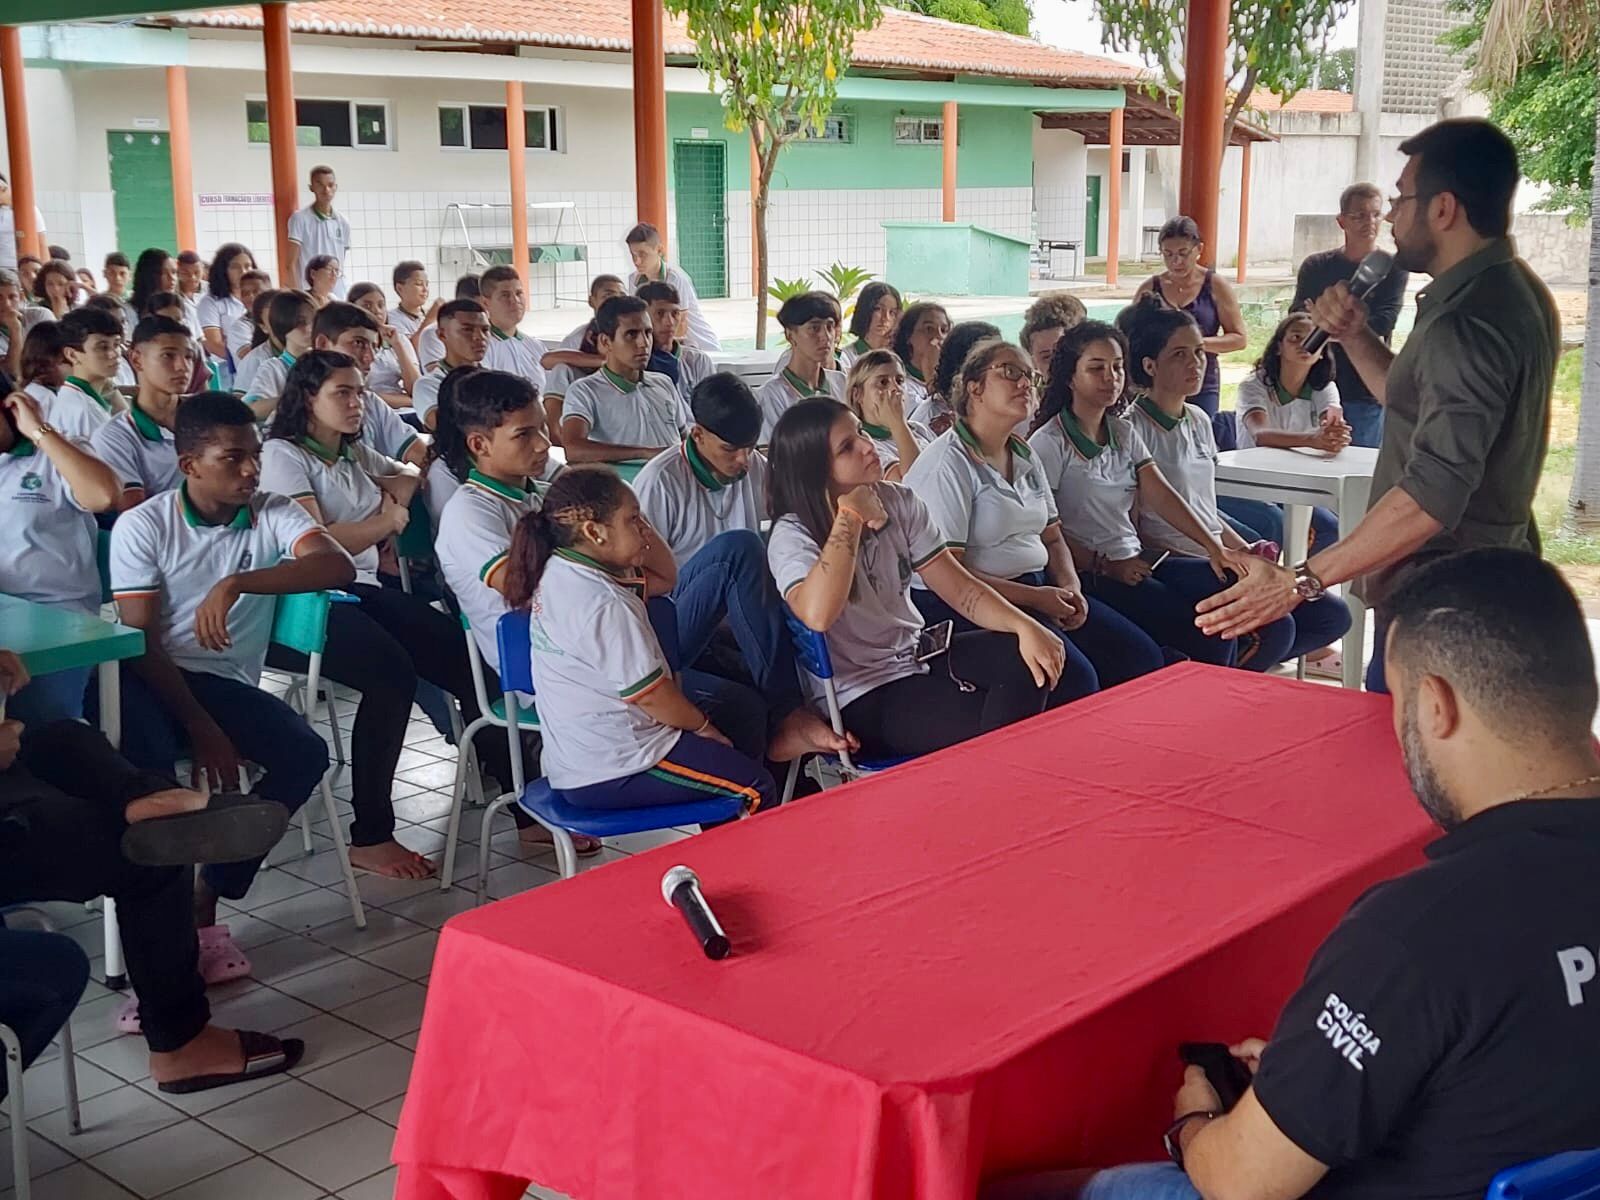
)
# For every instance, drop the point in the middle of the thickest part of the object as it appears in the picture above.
(355, 996)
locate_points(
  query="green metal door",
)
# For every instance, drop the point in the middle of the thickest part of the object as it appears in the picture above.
(1091, 218)
(700, 170)
(141, 185)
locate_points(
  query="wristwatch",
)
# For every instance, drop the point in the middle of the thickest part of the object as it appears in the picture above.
(1306, 584)
(1172, 1139)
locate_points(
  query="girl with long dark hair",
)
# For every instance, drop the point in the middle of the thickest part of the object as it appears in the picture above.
(918, 338)
(221, 306)
(872, 322)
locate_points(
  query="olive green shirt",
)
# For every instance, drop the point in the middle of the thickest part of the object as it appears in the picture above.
(1467, 407)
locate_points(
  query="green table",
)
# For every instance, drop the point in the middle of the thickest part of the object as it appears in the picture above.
(629, 468)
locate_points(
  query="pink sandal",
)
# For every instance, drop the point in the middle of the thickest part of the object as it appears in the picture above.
(220, 959)
(128, 1016)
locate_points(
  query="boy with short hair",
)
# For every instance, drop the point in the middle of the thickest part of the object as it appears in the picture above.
(191, 285)
(351, 329)
(410, 315)
(91, 341)
(316, 230)
(576, 356)
(198, 569)
(138, 444)
(118, 270)
(464, 335)
(510, 350)
(650, 264)
(678, 361)
(430, 344)
(622, 412)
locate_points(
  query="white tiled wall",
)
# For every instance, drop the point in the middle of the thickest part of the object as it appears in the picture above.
(63, 219)
(1061, 213)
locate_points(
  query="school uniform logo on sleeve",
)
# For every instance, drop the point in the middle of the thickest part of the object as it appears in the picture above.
(245, 560)
(1347, 1032)
(32, 482)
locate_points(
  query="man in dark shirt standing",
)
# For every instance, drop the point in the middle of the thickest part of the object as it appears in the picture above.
(1360, 216)
(1449, 1027)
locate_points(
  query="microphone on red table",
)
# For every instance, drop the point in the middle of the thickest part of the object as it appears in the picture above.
(680, 887)
(1374, 269)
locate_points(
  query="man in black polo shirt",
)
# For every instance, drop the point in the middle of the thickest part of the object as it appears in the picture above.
(1450, 1025)
(1360, 216)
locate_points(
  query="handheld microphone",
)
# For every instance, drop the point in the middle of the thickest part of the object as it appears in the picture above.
(680, 887)
(1374, 269)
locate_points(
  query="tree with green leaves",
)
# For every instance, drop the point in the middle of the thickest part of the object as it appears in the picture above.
(1273, 44)
(1337, 71)
(1008, 16)
(776, 64)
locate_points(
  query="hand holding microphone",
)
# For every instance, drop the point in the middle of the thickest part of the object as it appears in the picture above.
(680, 887)
(1339, 312)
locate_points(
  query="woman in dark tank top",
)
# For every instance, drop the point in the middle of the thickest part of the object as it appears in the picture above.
(1200, 292)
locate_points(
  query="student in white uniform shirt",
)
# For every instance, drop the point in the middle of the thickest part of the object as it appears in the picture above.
(918, 339)
(155, 271)
(243, 331)
(394, 370)
(138, 444)
(16, 318)
(91, 342)
(222, 304)
(118, 271)
(347, 329)
(622, 412)
(56, 288)
(577, 355)
(464, 341)
(620, 730)
(198, 569)
(412, 313)
(258, 347)
(44, 370)
(316, 230)
(1045, 323)
(52, 487)
(430, 340)
(324, 274)
(1167, 360)
(170, 306)
(191, 283)
(650, 265)
(811, 323)
(290, 316)
(872, 323)
(936, 410)
(875, 391)
(843, 549)
(383, 644)
(510, 350)
(122, 382)
(989, 497)
(677, 360)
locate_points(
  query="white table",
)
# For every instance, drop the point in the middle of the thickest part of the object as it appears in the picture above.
(1300, 480)
(755, 367)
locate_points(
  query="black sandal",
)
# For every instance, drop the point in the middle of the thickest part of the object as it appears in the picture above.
(263, 1055)
(230, 828)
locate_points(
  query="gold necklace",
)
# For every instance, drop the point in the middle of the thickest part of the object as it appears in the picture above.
(1558, 787)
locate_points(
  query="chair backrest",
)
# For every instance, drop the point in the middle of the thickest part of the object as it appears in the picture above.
(475, 659)
(1574, 1175)
(102, 559)
(516, 663)
(300, 621)
(416, 539)
(810, 647)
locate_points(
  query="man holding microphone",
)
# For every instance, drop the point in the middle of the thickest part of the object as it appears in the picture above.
(1467, 399)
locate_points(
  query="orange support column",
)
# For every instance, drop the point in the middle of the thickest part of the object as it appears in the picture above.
(1204, 97)
(281, 129)
(650, 113)
(15, 91)
(516, 158)
(950, 129)
(1114, 198)
(182, 162)
(1244, 209)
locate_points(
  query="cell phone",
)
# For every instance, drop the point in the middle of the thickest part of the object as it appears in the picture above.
(1227, 1075)
(935, 640)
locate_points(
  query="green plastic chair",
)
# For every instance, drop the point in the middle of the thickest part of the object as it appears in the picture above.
(300, 622)
(630, 469)
(414, 541)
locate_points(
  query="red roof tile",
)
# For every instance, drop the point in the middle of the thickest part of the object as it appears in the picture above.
(1305, 101)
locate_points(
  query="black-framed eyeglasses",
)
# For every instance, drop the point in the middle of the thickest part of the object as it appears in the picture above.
(1012, 373)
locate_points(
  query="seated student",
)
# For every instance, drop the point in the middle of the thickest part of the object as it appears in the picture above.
(118, 271)
(170, 305)
(44, 370)
(191, 283)
(872, 324)
(990, 500)
(936, 410)
(394, 369)
(15, 321)
(380, 646)
(1047, 318)
(1448, 1027)
(258, 349)
(137, 444)
(123, 381)
(322, 275)
(351, 330)
(55, 288)
(622, 412)
(412, 313)
(1102, 473)
(875, 391)
(619, 730)
(678, 361)
(918, 339)
(198, 569)
(155, 272)
(91, 343)
(650, 265)
(430, 340)
(242, 330)
(289, 319)
(27, 268)
(222, 305)
(52, 487)
(510, 350)
(843, 547)
(463, 329)
(811, 323)
(577, 355)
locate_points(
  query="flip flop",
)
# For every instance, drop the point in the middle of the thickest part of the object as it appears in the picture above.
(128, 1016)
(230, 828)
(582, 844)
(220, 959)
(263, 1055)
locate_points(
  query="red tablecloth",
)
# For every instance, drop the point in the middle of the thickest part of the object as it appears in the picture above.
(979, 962)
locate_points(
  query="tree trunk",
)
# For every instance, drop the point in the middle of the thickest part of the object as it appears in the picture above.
(1583, 502)
(1240, 99)
(759, 186)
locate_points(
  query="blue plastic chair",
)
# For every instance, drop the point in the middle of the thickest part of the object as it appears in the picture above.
(545, 805)
(811, 650)
(1574, 1175)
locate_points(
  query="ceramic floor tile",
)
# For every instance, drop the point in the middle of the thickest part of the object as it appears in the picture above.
(367, 1078)
(248, 932)
(383, 928)
(281, 1114)
(309, 910)
(125, 1056)
(253, 1179)
(378, 1187)
(263, 1009)
(109, 1120)
(155, 1165)
(435, 907)
(389, 1111)
(436, 774)
(389, 1014)
(94, 1021)
(380, 892)
(322, 868)
(194, 1104)
(340, 1155)
(79, 1181)
(328, 1039)
(340, 983)
(44, 1087)
(291, 956)
(412, 958)
(424, 806)
(43, 1157)
(516, 878)
(269, 887)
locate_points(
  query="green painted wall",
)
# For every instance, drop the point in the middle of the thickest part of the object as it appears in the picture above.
(996, 148)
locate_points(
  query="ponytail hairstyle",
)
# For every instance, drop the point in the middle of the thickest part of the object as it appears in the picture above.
(1149, 324)
(472, 400)
(592, 492)
(258, 316)
(292, 420)
(1064, 364)
(286, 312)
(978, 361)
(957, 344)
(800, 464)
(1269, 367)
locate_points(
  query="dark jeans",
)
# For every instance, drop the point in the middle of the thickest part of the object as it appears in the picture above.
(697, 768)
(1376, 680)
(61, 831)
(1365, 418)
(264, 730)
(1262, 519)
(1163, 606)
(919, 714)
(42, 977)
(379, 647)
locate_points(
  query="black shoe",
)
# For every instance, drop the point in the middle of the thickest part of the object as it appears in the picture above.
(230, 828)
